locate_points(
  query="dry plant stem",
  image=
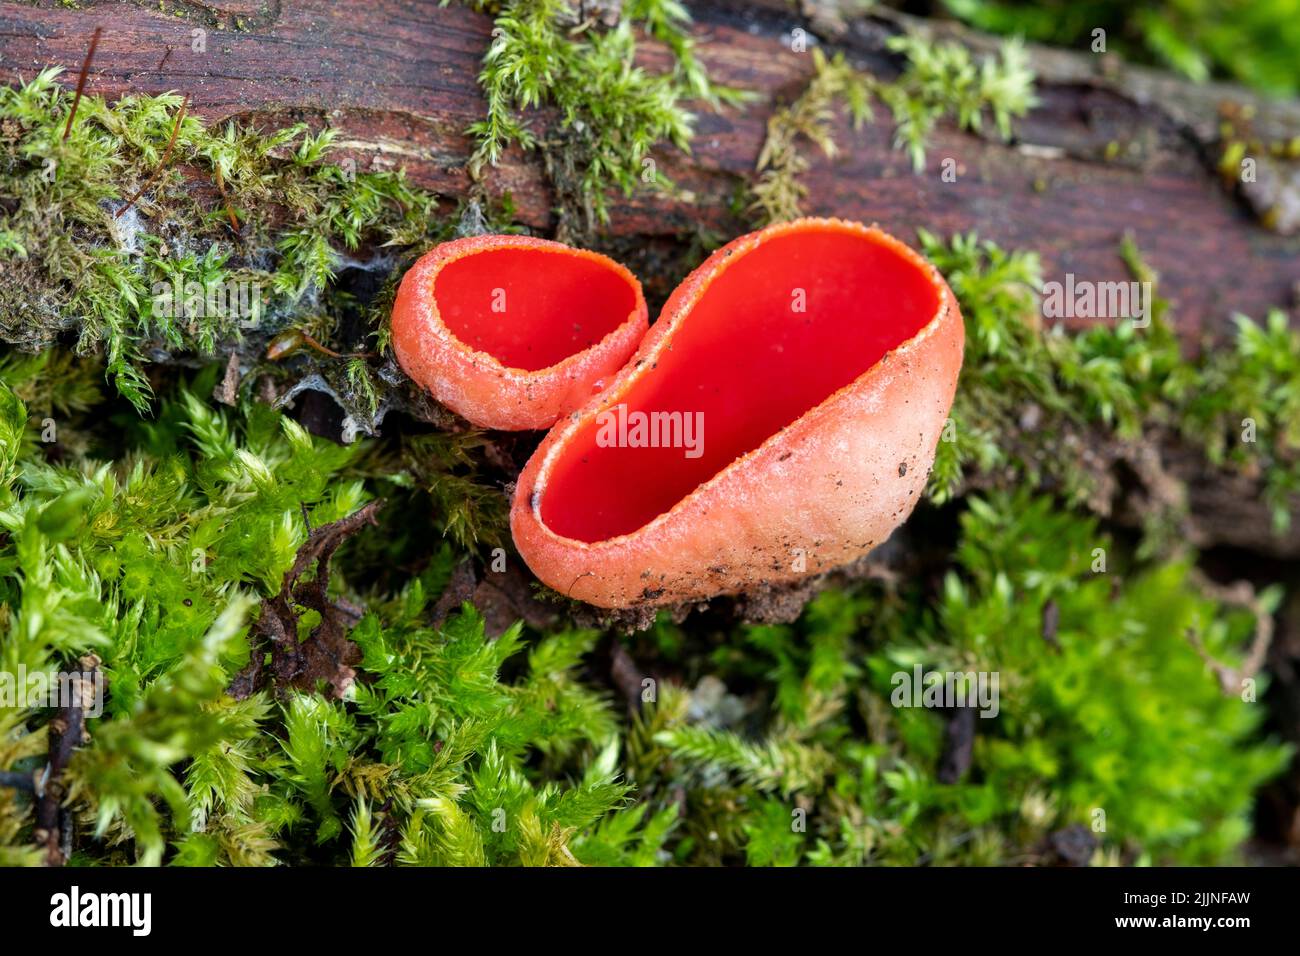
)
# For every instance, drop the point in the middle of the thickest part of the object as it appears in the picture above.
(81, 81)
(1240, 594)
(167, 153)
(626, 675)
(282, 346)
(327, 655)
(67, 732)
(18, 781)
(225, 198)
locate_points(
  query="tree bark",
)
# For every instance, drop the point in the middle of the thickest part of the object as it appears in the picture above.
(1111, 149)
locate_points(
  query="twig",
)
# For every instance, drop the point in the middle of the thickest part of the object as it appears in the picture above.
(17, 781)
(460, 588)
(67, 732)
(326, 655)
(625, 674)
(1051, 623)
(1240, 594)
(81, 81)
(293, 340)
(176, 128)
(221, 188)
(958, 745)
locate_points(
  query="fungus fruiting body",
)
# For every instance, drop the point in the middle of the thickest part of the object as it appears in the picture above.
(780, 419)
(512, 332)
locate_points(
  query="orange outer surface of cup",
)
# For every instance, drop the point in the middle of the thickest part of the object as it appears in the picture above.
(475, 384)
(828, 487)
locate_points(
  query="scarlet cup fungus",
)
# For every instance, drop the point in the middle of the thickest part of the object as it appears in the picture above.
(820, 358)
(512, 332)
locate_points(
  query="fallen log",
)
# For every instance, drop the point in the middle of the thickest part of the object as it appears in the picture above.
(1111, 149)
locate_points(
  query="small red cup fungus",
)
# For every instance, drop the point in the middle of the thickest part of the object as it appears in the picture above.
(780, 419)
(511, 332)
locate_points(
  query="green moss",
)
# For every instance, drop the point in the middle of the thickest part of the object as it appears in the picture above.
(1100, 716)
(86, 261)
(938, 81)
(942, 80)
(778, 193)
(612, 111)
(169, 551)
(447, 467)
(1026, 396)
(1257, 43)
(512, 750)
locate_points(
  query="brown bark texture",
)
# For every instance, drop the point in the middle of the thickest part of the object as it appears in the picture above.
(1110, 149)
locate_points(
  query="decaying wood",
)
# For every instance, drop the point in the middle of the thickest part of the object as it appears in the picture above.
(1110, 149)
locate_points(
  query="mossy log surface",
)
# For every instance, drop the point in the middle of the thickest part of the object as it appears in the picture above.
(1110, 149)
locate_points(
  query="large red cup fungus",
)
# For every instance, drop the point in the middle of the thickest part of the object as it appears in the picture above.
(511, 332)
(779, 419)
